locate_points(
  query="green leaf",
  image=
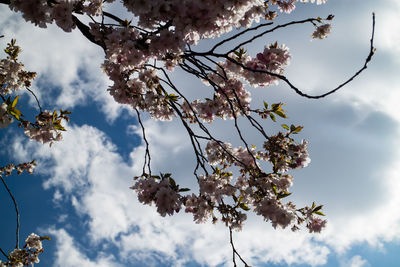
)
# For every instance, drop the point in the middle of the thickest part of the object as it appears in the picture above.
(59, 127)
(285, 126)
(272, 116)
(275, 106)
(280, 113)
(265, 105)
(244, 206)
(319, 213)
(274, 188)
(318, 208)
(313, 205)
(16, 113)
(298, 129)
(14, 103)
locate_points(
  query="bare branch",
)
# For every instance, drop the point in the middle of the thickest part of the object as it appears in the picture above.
(2, 251)
(37, 100)
(85, 30)
(234, 251)
(147, 157)
(16, 210)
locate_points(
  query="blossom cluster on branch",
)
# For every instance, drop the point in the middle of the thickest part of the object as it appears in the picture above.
(46, 129)
(29, 255)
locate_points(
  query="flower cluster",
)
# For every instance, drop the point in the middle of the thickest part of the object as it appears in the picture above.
(27, 256)
(221, 192)
(26, 166)
(161, 191)
(47, 127)
(285, 154)
(322, 31)
(5, 118)
(12, 73)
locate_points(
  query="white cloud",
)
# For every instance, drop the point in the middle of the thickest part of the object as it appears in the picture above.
(70, 255)
(355, 261)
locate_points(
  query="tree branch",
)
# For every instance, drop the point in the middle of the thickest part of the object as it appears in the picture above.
(147, 158)
(2, 251)
(234, 251)
(16, 210)
(85, 30)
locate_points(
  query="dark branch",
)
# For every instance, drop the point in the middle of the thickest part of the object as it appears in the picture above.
(113, 17)
(234, 251)
(2, 251)
(16, 210)
(147, 158)
(239, 34)
(37, 100)
(7, 2)
(85, 30)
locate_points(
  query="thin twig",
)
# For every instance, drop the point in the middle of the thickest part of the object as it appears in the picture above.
(147, 157)
(37, 100)
(239, 34)
(16, 210)
(234, 251)
(2, 251)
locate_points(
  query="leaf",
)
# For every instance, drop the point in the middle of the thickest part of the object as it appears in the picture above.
(283, 195)
(318, 208)
(274, 188)
(184, 190)
(59, 127)
(265, 105)
(275, 106)
(14, 103)
(285, 126)
(244, 206)
(297, 129)
(172, 182)
(313, 205)
(319, 213)
(280, 113)
(272, 116)
(16, 113)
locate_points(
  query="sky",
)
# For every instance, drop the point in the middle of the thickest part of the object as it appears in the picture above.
(80, 196)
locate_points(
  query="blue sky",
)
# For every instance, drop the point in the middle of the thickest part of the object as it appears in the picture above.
(80, 192)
